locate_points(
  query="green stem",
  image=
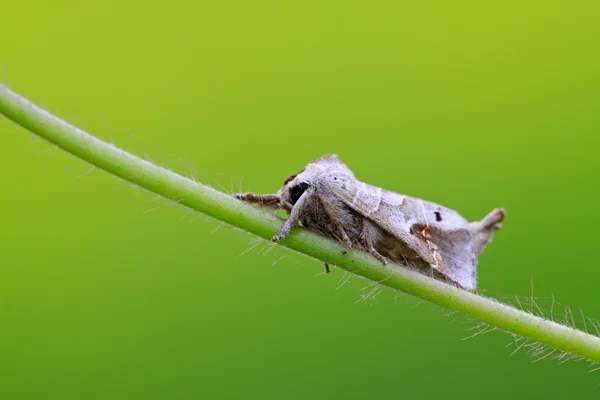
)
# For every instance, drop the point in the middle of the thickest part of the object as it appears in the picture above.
(264, 224)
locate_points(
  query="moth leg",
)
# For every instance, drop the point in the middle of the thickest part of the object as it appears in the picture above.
(346, 240)
(335, 216)
(327, 270)
(286, 206)
(294, 217)
(369, 235)
(481, 231)
(378, 255)
(263, 200)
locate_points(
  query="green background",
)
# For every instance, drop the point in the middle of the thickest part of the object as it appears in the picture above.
(474, 105)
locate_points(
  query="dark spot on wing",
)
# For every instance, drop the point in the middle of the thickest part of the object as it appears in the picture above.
(438, 216)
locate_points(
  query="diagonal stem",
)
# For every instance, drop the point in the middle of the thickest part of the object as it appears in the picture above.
(264, 224)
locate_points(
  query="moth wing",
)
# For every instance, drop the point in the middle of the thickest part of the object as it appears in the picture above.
(445, 245)
(453, 252)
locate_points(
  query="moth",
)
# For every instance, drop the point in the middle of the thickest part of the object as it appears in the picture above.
(325, 197)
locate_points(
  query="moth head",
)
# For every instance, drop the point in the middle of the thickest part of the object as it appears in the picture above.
(291, 193)
(295, 185)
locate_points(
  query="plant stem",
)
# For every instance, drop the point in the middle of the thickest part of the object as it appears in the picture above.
(264, 224)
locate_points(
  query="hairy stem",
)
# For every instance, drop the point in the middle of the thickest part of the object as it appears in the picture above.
(264, 224)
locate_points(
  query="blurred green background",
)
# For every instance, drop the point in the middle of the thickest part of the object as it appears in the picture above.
(471, 105)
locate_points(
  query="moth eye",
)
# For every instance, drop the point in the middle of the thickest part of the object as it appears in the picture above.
(297, 191)
(438, 216)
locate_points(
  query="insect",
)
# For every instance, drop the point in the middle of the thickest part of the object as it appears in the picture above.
(325, 197)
